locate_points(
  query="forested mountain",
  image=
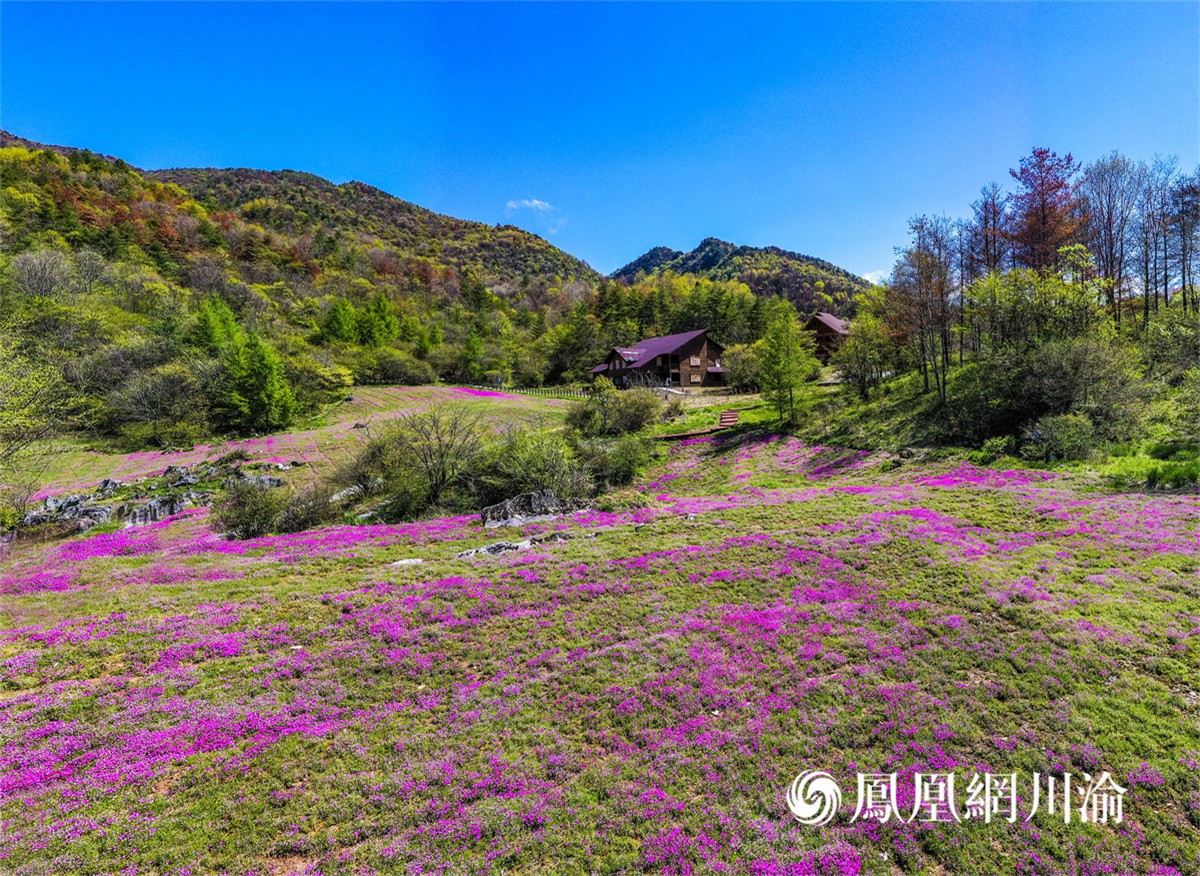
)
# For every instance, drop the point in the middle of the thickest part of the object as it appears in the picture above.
(810, 283)
(161, 308)
(303, 205)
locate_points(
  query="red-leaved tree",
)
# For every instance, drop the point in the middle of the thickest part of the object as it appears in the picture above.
(1046, 212)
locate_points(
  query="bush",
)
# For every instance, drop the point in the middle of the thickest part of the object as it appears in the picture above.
(250, 510)
(993, 449)
(316, 383)
(161, 434)
(1067, 436)
(634, 410)
(418, 461)
(584, 417)
(307, 509)
(527, 460)
(1177, 451)
(1173, 475)
(674, 410)
(617, 463)
(394, 368)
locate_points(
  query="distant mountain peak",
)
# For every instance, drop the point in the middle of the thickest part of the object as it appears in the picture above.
(810, 283)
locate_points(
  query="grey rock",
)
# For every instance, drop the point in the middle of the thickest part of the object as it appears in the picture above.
(160, 508)
(410, 561)
(188, 480)
(346, 494)
(94, 513)
(176, 471)
(256, 480)
(525, 508)
(58, 504)
(507, 547)
(108, 486)
(495, 549)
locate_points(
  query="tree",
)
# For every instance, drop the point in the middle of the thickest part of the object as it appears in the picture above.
(743, 365)
(216, 325)
(257, 393)
(472, 353)
(867, 354)
(339, 324)
(920, 297)
(1109, 189)
(787, 361)
(1185, 230)
(377, 323)
(1151, 232)
(34, 401)
(989, 233)
(44, 273)
(1046, 214)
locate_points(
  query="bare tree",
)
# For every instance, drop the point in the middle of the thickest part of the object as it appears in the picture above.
(1185, 234)
(1152, 243)
(989, 233)
(43, 273)
(921, 301)
(1110, 187)
(440, 442)
(90, 270)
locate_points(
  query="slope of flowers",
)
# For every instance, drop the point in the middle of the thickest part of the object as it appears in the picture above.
(320, 446)
(632, 699)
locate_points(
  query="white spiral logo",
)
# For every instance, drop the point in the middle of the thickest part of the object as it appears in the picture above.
(814, 797)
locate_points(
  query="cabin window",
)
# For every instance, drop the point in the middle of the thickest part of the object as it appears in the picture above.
(695, 378)
(695, 362)
(659, 362)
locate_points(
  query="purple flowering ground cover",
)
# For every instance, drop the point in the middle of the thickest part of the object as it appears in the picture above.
(319, 445)
(634, 699)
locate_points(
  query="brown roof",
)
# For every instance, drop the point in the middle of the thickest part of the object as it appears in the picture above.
(646, 351)
(830, 321)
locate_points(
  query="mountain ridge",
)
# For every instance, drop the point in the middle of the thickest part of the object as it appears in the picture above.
(808, 282)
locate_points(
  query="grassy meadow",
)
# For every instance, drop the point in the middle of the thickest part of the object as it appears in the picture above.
(633, 695)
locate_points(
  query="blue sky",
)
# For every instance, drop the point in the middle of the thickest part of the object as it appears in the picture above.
(611, 128)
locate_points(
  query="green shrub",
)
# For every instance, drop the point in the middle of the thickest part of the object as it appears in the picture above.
(634, 410)
(1066, 436)
(527, 460)
(629, 456)
(250, 510)
(584, 417)
(674, 410)
(617, 462)
(307, 509)
(394, 368)
(1173, 475)
(1178, 451)
(160, 434)
(993, 449)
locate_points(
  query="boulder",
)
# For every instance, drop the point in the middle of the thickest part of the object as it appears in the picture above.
(257, 480)
(108, 486)
(161, 507)
(526, 508)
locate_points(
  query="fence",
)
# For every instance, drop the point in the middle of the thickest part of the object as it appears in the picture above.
(541, 391)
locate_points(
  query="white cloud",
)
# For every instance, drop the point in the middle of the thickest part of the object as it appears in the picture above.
(531, 204)
(875, 276)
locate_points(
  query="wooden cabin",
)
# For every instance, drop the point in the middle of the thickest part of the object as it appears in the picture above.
(687, 360)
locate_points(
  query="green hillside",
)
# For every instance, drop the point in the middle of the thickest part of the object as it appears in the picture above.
(302, 204)
(811, 284)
